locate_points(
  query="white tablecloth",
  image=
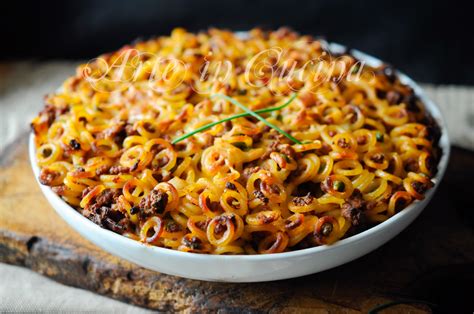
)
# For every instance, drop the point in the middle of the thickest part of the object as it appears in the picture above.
(22, 87)
(22, 290)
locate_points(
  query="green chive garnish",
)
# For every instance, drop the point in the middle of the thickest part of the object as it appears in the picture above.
(240, 115)
(256, 115)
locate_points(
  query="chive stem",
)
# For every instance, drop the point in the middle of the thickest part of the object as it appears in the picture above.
(240, 115)
(256, 115)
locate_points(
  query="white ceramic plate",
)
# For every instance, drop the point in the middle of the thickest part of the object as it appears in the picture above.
(255, 268)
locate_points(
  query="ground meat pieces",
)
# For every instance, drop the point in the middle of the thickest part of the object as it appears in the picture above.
(47, 176)
(119, 170)
(102, 170)
(272, 148)
(356, 199)
(86, 191)
(172, 226)
(108, 218)
(287, 150)
(221, 225)
(247, 172)
(419, 187)
(343, 143)
(327, 185)
(49, 114)
(153, 203)
(354, 215)
(100, 211)
(115, 220)
(113, 130)
(192, 242)
(284, 149)
(202, 224)
(352, 210)
(116, 132)
(107, 197)
(259, 194)
(303, 200)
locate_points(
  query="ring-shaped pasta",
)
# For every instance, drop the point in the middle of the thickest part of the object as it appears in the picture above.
(326, 230)
(416, 184)
(125, 206)
(348, 167)
(394, 202)
(135, 158)
(325, 168)
(388, 176)
(224, 220)
(147, 128)
(48, 153)
(207, 202)
(376, 159)
(362, 181)
(198, 226)
(376, 188)
(133, 140)
(338, 186)
(273, 243)
(173, 196)
(234, 202)
(154, 224)
(365, 140)
(92, 194)
(263, 217)
(353, 116)
(133, 190)
(395, 115)
(106, 147)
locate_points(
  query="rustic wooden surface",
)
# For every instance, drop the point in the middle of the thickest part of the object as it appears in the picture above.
(431, 260)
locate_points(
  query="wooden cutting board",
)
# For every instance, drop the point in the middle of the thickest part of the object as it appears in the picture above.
(431, 260)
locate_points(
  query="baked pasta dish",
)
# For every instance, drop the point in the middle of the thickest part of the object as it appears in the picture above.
(222, 143)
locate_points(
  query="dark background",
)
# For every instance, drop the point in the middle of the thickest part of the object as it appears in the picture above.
(431, 41)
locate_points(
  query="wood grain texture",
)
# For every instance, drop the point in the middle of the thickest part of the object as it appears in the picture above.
(431, 260)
